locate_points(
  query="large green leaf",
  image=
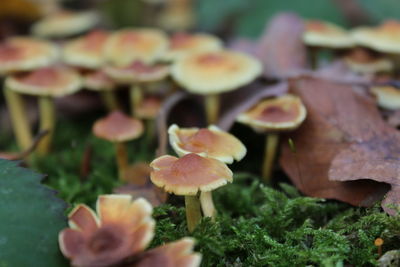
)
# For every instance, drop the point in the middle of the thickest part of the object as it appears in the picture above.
(30, 218)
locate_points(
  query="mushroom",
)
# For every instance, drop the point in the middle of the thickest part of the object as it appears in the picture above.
(187, 176)
(178, 15)
(148, 111)
(388, 97)
(46, 83)
(284, 113)
(212, 73)
(118, 128)
(99, 81)
(363, 61)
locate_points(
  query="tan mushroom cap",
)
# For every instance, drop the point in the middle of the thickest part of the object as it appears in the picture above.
(149, 108)
(215, 72)
(118, 127)
(23, 54)
(388, 97)
(384, 38)
(126, 46)
(325, 34)
(362, 61)
(184, 43)
(189, 174)
(65, 23)
(209, 142)
(138, 72)
(86, 51)
(283, 113)
(55, 81)
(98, 81)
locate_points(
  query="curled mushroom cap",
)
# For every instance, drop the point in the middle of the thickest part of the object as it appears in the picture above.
(209, 142)
(86, 51)
(23, 54)
(325, 34)
(126, 46)
(55, 81)
(276, 114)
(149, 108)
(385, 38)
(388, 97)
(98, 81)
(117, 127)
(189, 174)
(120, 229)
(138, 71)
(184, 43)
(215, 72)
(65, 23)
(362, 61)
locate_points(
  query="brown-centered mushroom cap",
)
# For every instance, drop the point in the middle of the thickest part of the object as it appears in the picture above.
(363, 61)
(283, 113)
(215, 72)
(23, 54)
(149, 108)
(118, 127)
(184, 43)
(65, 23)
(209, 142)
(388, 97)
(55, 81)
(138, 71)
(98, 81)
(126, 46)
(325, 34)
(86, 51)
(189, 174)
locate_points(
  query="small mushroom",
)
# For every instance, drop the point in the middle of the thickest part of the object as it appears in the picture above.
(388, 97)
(99, 81)
(118, 128)
(363, 61)
(46, 83)
(212, 73)
(187, 176)
(148, 111)
(178, 15)
(281, 114)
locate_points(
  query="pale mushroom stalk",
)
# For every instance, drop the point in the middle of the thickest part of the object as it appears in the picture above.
(193, 214)
(207, 205)
(19, 119)
(47, 123)
(122, 158)
(136, 97)
(271, 145)
(110, 100)
(212, 108)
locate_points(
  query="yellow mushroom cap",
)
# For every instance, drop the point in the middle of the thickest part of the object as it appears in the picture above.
(184, 43)
(98, 81)
(118, 127)
(209, 142)
(23, 54)
(138, 71)
(52, 81)
(385, 38)
(283, 113)
(215, 72)
(362, 61)
(189, 174)
(126, 46)
(149, 108)
(65, 23)
(388, 97)
(325, 34)
(86, 51)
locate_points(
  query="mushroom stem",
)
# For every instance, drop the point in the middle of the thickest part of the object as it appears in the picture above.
(110, 100)
(193, 214)
(47, 123)
(271, 145)
(207, 204)
(122, 159)
(136, 96)
(314, 51)
(212, 108)
(19, 119)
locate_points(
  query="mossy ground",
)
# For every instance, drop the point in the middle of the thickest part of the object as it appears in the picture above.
(257, 225)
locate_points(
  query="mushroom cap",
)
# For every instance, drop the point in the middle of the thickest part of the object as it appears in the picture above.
(189, 174)
(128, 45)
(98, 81)
(325, 34)
(209, 142)
(215, 72)
(55, 81)
(362, 61)
(65, 23)
(118, 127)
(283, 113)
(23, 54)
(384, 38)
(149, 108)
(184, 43)
(138, 71)
(86, 51)
(388, 97)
